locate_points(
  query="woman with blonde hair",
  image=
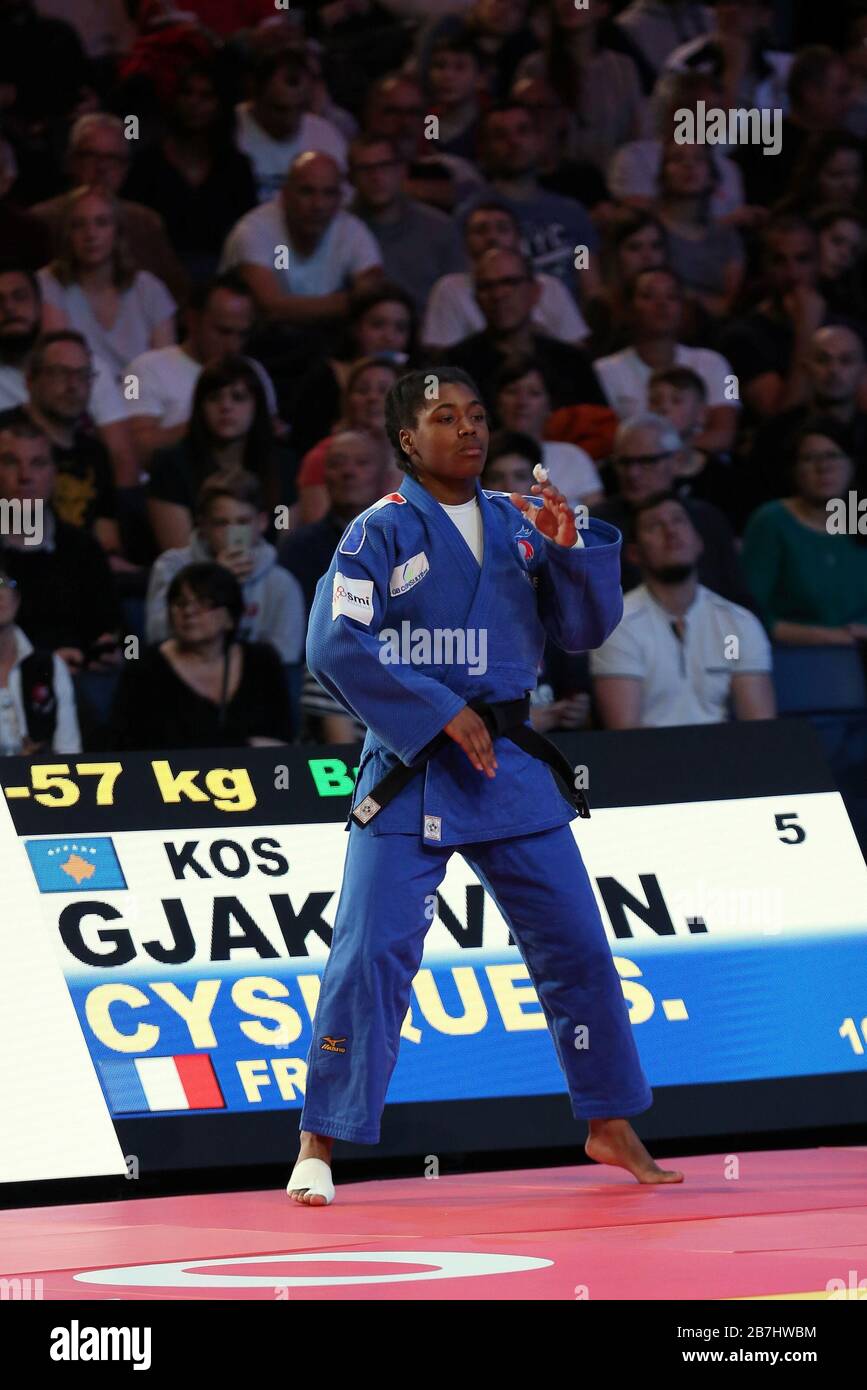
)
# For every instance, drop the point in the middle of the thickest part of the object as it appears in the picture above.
(94, 286)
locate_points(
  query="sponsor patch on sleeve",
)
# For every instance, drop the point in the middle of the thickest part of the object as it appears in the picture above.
(353, 598)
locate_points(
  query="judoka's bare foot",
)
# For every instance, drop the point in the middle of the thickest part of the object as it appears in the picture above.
(615, 1141)
(313, 1146)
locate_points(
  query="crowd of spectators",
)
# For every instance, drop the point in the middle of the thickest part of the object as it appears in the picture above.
(226, 229)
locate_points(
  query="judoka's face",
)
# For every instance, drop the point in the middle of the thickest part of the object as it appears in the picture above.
(450, 438)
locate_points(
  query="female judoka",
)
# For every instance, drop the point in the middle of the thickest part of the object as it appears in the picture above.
(450, 762)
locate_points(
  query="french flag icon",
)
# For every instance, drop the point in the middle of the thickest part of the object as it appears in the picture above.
(133, 1085)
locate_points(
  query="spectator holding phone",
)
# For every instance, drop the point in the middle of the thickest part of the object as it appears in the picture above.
(231, 523)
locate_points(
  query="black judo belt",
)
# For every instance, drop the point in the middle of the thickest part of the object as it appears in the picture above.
(502, 718)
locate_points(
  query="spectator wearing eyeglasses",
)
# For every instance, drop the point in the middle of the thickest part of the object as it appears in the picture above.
(202, 687)
(453, 312)
(647, 449)
(20, 318)
(37, 702)
(395, 108)
(810, 581)
(59, 378)
(401, 224)
(507, 292)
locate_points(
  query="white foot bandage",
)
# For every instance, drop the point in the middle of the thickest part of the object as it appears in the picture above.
(314, 1175)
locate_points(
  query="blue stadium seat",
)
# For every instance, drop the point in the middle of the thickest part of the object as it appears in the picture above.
(819, 678)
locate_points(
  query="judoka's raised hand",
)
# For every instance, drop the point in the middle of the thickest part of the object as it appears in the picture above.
(470, 732)
(555, 518)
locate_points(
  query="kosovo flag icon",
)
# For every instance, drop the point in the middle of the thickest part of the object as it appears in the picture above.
(78, 864)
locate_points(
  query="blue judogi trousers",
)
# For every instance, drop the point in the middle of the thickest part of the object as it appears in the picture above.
(541, 887)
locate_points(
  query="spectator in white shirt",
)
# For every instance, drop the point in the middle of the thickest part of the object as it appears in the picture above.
(94, 286)
(633, 173)
(219, 319)
(277, 125)
(522, 404)
(300, 254)
(654, 302)
(681, 654)
(452, 310)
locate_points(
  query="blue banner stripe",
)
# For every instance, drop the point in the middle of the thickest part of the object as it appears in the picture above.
(121, 1084)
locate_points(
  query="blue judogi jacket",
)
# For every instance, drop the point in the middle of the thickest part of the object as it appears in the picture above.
(403, 577)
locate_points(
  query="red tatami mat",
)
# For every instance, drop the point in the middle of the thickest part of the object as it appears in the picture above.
(787, 1227)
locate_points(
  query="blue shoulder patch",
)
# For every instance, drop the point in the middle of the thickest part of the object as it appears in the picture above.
(356, 532)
